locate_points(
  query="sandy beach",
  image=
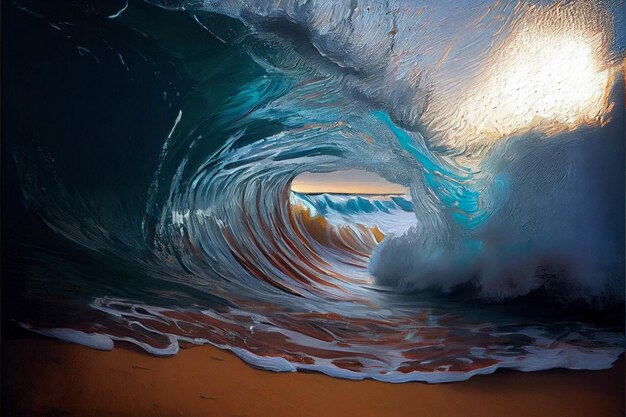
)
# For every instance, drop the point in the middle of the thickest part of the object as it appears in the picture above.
(44, 377)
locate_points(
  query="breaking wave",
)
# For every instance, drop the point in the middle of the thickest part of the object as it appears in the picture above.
(421, 287)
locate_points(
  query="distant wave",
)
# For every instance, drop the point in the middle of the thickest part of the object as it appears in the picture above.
(391, 214)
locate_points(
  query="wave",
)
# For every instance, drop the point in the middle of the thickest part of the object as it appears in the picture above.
(557, 227)
(351, 204)
(392, 215)
(221, 251)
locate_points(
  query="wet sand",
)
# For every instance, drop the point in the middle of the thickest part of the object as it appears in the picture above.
(43, 377)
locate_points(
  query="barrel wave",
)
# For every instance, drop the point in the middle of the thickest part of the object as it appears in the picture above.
(182, 229)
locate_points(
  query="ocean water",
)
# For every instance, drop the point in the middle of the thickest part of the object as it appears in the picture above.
(148, 151)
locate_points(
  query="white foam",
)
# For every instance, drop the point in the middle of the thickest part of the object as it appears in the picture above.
(92, 340)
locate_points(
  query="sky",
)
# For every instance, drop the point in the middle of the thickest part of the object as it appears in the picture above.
(352, 181)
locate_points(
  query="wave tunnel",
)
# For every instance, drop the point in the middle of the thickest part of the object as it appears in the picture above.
(183, 182)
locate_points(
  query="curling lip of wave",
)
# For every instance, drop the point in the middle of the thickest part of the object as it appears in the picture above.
(393, 55)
